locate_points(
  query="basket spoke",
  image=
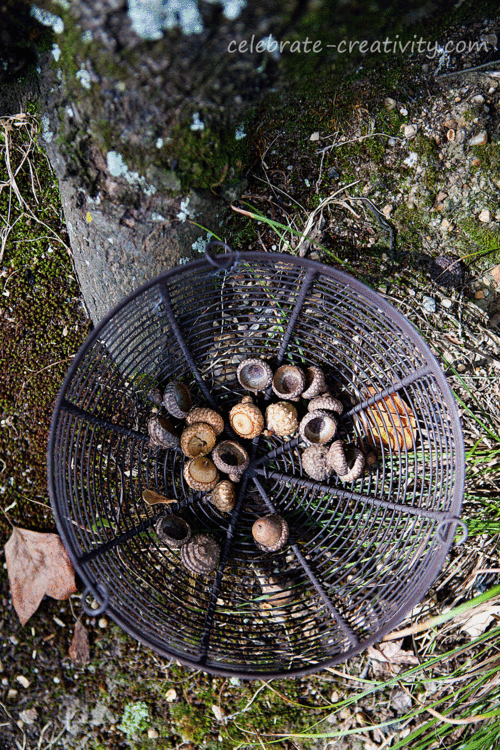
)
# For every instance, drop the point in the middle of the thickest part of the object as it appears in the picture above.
(349, 495)
(86, 416)
(184, 347)
(344, 626)
(308, 279)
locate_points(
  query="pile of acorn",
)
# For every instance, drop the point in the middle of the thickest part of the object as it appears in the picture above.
(208, 459)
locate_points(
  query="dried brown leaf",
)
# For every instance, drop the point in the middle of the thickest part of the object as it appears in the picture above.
(79, 650)
(37, 564)
(393, 421)
(152, 498)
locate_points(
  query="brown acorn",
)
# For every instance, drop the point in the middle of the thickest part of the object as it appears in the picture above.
(348, 464)
(173, 530)
(315, 382)
(270, 533)
(246, 419)
(318, 427)
(231, 458)
(223, 496)
(281, 418)
(162, 433)
(198, 439)
(201, 554)
(254, 374)
(201, 474)
(314, 462)
(289, 382)
(326, 402)
(177, 399)
(209, 416)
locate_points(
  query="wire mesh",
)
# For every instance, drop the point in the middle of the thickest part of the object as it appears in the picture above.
(360, 554)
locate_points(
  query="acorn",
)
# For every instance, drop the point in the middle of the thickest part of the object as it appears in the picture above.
(209, 416)
(270, 533)
(246, 419)
(318, 427)
(155, 396)
(177, 399)
(254, 374)
(201, 554)
(326, 402)
(315, 382)
(198, 439)
(223, 496)
(162, 433)
(173, 530)
(289, 382)
(349, 466)
(314, 462)
(201, 474)
(281, 418)
(231, 458)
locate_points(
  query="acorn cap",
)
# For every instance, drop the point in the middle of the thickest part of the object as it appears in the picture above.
(201, 554)
(177, 399)
(289, 382)
(336, 459)
(201, 474)
(162, 433)
(209, 416)
(254, 374)
(173, 530)
(281, 418)
(314, 462)
(223, 496)
(231, 458)
(326, 402)
(315, 382)
(198, 439)
(318, 427)
(270, 533)
(246, 419)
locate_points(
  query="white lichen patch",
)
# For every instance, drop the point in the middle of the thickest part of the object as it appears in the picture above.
(230, 8)
(87, 36)
(197, 123)
(411, 159)
(199, 246)
(157, 217)
(47, 134)
(272, 46)
(159, 143)
(185, 212)
(47, 19)
(117, 168)
(240, 133)
(56, 52)
(84, 77)
(150, 18)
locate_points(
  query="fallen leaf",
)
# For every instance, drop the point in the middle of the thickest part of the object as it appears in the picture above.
(390, 657)
(152, 498)
(79, 650)
(37, 564)
(393, 421)
(477, 623)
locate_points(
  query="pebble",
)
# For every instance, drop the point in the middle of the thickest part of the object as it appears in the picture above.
(446, 303)
(485, 216)
(389, 103)
(12, 694)
(103, 623)
(314, 136)
(23, 681)
(170, 695)
(29, 716)
(153, 734)
(478, 99)
(479, 294)
(461, 368)
(410, 131)
(481, 139)
(429, 304)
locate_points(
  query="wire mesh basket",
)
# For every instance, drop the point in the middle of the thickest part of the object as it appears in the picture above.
(360, 554)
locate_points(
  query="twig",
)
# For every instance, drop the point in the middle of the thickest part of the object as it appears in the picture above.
(317, 210)
(484, 66)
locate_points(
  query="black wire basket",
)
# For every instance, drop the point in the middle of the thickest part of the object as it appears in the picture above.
(360, 554)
